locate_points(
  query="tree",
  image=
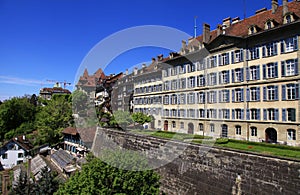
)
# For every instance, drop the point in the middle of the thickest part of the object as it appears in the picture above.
(99, 177)
(48, 183)
(15, 112)
(141, 118)
(52, 119)
(23, 185)
(80, 101)
(121, 118)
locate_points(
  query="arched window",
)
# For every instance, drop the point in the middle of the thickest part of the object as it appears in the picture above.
(212, 128)
(201, 127)
(173, 124)
(238, 130)
(291, 134)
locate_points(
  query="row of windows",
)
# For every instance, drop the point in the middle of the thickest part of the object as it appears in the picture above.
(269, 114)
(270, 70)
(5, 155)
(149, 111)
(148, 80)
(270, 93)
(148, 89)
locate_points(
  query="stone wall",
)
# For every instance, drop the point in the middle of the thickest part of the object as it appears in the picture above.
(218, 171)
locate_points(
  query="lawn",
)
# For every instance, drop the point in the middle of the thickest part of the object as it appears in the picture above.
(255, 147)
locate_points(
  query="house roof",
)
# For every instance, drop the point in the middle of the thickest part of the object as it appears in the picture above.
(87, 134)
(20, 141)
(54, 90)
(70, 131)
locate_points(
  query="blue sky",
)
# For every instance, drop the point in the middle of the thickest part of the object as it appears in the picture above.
(48, 39)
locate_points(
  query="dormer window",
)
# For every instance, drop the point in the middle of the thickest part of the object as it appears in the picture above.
(269, 24)
(252, 30)
(288, 18)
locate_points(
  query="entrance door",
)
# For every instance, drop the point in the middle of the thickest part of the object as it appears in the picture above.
(271, 135)
(166, 125)
(224, 131)
(190, 128)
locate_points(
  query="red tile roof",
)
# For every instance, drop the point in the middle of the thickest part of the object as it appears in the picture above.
(70, 131)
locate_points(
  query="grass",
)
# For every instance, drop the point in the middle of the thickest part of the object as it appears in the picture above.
(256, 147)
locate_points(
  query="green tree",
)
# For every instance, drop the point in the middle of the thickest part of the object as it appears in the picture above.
(99, 177)
(52, 119)
(121, 118)
(47, 184)
(80, 101)
(141, 118)
(23, 185)
(15, 112)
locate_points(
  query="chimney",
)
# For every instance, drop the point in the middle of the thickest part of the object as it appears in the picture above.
(153, 60)
(284, 7)
(274, 6)
(144, 65)
(206, 33)
(261, 10)
(227, 22)
(235, 20)
(135, 71)
(126, 72)
(183, 44)
(219, 29)
(160, 57)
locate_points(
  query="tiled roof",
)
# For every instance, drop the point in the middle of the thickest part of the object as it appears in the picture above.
(55, 90)
(23, 143)
(70, 131)
(87, 134)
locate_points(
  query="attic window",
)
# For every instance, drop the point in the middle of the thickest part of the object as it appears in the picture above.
(288, 18)
(252, 30)
(269, 24)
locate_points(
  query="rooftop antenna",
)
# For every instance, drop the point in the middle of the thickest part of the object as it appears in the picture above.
(244, 2)
(195, 26)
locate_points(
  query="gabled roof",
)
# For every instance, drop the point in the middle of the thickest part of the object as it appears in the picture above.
(70, 131)
(20, 141)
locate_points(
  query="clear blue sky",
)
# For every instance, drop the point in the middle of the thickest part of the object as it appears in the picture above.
(48, 39)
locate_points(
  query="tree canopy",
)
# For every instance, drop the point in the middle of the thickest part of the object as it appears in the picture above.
(141, 118)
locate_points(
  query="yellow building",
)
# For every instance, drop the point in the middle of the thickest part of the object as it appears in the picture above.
(240, 80)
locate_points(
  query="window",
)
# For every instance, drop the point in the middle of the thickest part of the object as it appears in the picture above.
(270, 93)
(271, 114)
(174, 99)
(253, 73)
(212, 96)
(224, 77)
(166, 86)
(191, 98)
(173, 124)
(191, 113)
(290, 91)
(253, 94)
(182, 69)
(166, 99)
(200, 81)
(159, 123)
(174, 113)
(288, 19)
(20, 155)
(254, 114)
(191, 82)
(237, 113)
(268, 25)
(174, 85)
(291, 134)
(290, 44)
(201, 127)
(181, 113)
(238, 130)
(174, 71)
(213, 61)
(201, 97)
(211, 113)
(224, 113)
(212, 78)
(224, 95)
(223, 59)
(237, 56)
(166, 112)
(212, 128)
(252, 30)
(253, 131)
(253, 53)
(4, 156)
(237, 75)
(19, 162)
(182, 83)
(289, 67)
(269, 49)
(201, 113)
(270, 70)
(182, 99)
(165, 73)
(289, 114)
(181, 125)
(238, 95)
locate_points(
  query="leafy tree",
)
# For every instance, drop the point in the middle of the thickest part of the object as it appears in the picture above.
(33, 100)
(48, 183)
(80, 101)
(99, 177)
(52, 119)
(23, 185)
(121, 118)
(141, 118)
(13, 113)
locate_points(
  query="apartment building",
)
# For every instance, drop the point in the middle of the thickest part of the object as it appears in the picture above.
(239, 81)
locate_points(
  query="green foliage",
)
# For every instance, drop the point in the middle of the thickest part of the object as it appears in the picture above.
(121, 118)
(23, 186)
(98, 177)
(80, 101)
(141, 118)
(52, 119)
(13, 113)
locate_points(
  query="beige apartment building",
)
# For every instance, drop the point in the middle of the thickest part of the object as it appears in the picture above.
(239, 81)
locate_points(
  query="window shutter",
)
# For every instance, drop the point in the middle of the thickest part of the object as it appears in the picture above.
(248, 95)
(219, 60)
(247, 114)
(220, 78)
(276, 69)
(297, 91)
(247, 73)
(282, 46)
(220, 113)
(232, 75)
(232, 95)
(258, 93)
(283, 92)
(233, 114)
(242, 95)
(227, 58)
(258, 114)
(232, 57)
(295, 43)
(258, 72)
(264, 71)
(242, 74)
(247, 54)
(265, 114)
(242, 55)
(283, 114)
(215, 81)
(264, 51)
(265, 93)
(276, 92)
(282, 68)
(275, 48)
(227, 76)
(242, 114)
(227, 95)
(296, 66)
(276, 114)
(208, 79)
(220, 96)
(215, 100)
